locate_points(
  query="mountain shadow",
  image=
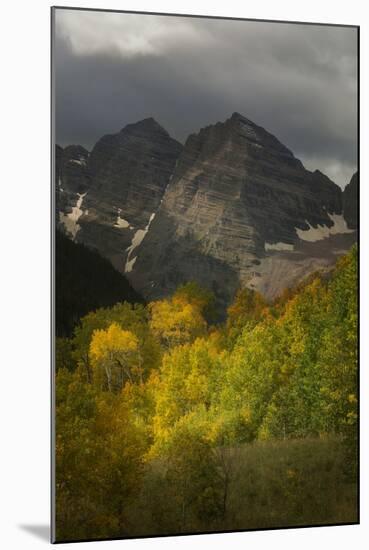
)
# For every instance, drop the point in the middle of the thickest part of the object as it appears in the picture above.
(85, 281)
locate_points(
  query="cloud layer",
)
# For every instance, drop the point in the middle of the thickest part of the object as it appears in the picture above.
(298, 81)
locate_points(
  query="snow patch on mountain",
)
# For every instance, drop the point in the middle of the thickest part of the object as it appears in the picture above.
(121, 222)
(137, 239)
(320, 232)
(130, 264)
(278, 246)
(81, 161)
(70, 220)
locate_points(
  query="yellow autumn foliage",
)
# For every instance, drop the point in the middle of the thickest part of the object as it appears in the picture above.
(176, 322)
(115, 356)
(114, 339)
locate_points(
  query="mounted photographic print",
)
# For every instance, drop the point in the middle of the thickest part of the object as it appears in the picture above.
(205, 251)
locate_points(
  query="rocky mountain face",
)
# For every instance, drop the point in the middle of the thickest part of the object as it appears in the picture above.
(125, 177)
(240, 210)
(233, 207)
(350, 202)
(72, 179)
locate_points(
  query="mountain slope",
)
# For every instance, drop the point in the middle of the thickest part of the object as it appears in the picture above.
(231, 208)
(239, 210)
(350, 202)
(85, 281)
(126, 176)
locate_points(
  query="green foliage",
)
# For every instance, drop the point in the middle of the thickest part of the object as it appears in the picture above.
(247, 306)
(155, 408)
(192, 474)
(265, 484)
(64, 358)
(187, 382)
(319, 394)
(202, 298)
(128, 317)
(99, 460)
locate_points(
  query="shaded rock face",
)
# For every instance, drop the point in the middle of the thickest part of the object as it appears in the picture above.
(130, 171)
(71, 176)
(350, 202)
(71, 168)
(231, 208)
(237, 197)
(159, 270)
(127, 175)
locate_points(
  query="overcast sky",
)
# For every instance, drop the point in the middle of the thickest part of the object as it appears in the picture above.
(297, 81)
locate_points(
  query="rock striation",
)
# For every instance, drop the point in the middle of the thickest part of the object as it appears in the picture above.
(238, 205)
(233, 207)
(126, 176)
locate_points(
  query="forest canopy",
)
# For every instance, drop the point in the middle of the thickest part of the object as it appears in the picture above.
(158, 411)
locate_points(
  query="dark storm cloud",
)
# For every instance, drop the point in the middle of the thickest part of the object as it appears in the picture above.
(297, 81)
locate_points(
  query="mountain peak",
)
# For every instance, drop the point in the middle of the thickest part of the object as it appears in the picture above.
(232, 208)
(146, 124)
(238, 117)
(252, 132)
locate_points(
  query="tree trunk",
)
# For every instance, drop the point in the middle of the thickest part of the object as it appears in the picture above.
(86, 364)
(108, 377)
